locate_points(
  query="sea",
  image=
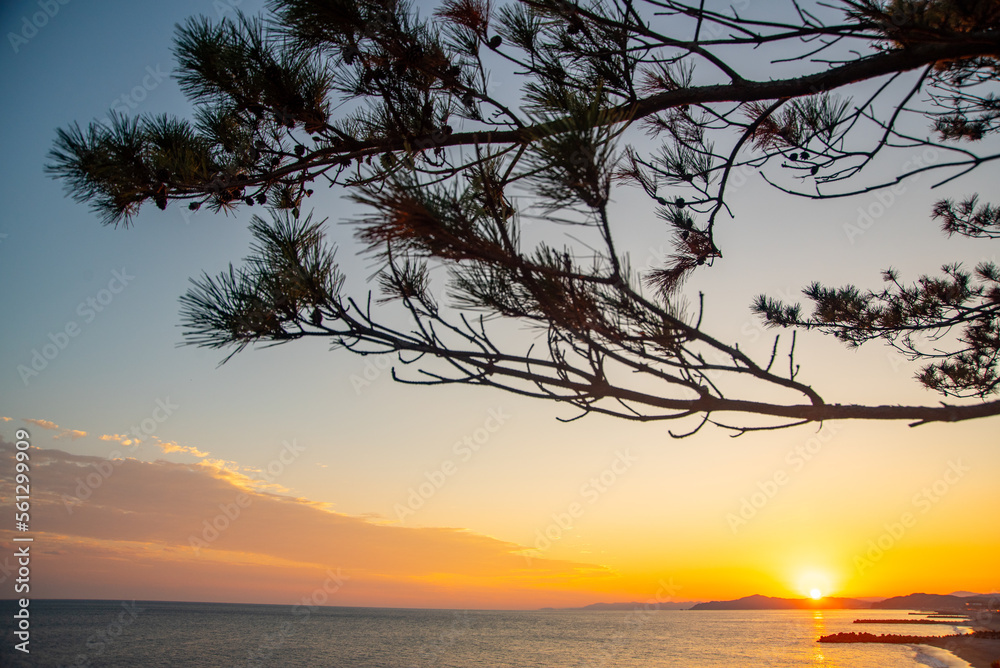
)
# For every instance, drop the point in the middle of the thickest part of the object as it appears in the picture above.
(147, 634)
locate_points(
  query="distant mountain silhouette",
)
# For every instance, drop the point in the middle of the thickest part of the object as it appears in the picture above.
(634, 605)
(758, 602)
(925, 602)
(928, 602)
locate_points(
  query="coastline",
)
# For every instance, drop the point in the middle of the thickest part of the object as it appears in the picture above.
(978, 652)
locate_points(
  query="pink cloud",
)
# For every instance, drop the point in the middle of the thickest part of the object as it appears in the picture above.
(164, 530)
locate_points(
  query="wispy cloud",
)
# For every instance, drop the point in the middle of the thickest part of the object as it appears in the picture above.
(167, 447)
(71, 434)
(172, 446)
(136, 532)
(124, 439)
(44, 424)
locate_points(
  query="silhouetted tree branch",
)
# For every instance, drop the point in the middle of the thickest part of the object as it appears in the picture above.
(434, 154)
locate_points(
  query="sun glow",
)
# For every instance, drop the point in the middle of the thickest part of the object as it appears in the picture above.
(815, 583)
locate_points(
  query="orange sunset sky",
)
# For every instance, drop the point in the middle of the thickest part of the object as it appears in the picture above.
(320, 474)
(204, 529)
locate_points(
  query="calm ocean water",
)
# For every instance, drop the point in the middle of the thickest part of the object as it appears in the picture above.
(146, 634)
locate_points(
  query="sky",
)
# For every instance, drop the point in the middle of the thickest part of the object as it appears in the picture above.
(159, 475)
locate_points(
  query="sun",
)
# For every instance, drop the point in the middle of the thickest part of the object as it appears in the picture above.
(815, 583)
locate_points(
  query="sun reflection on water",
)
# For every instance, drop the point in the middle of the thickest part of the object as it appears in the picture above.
(819, 629)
